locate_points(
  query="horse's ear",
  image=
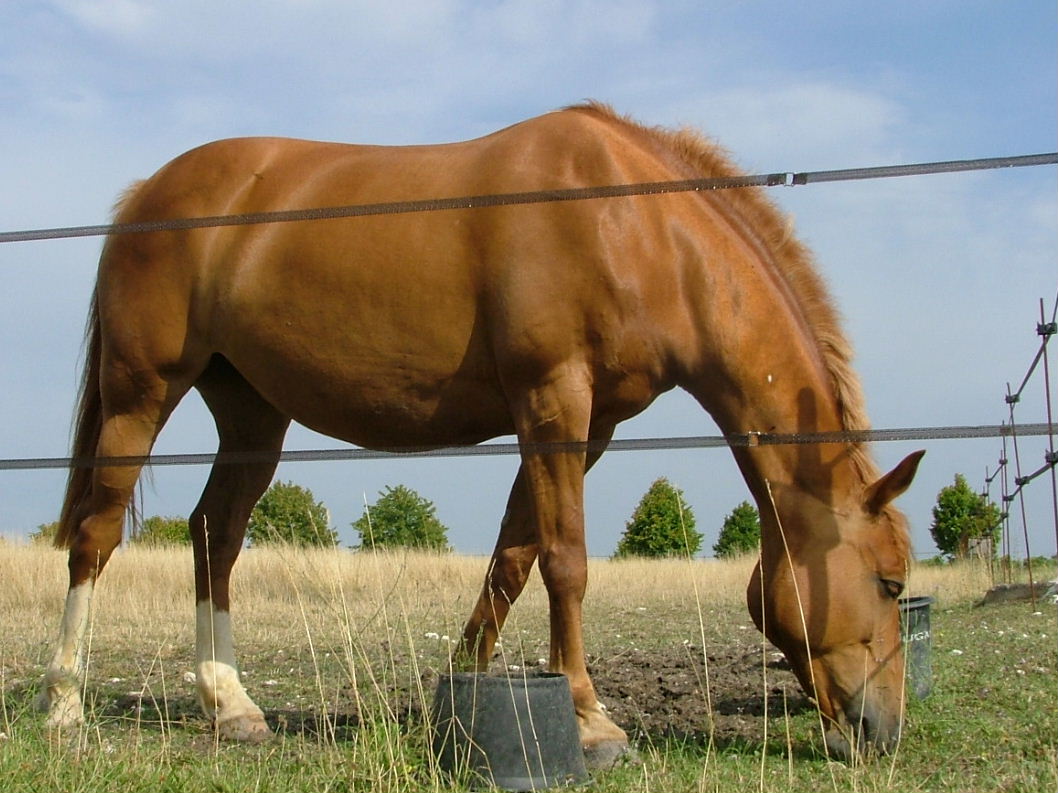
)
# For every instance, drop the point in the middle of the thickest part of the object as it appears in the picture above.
(877, 495)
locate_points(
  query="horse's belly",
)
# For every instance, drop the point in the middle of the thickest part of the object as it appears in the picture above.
(377, 400)
(394, 418)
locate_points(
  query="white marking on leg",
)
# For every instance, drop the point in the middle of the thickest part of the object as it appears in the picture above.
(220, 691)
(65, 675)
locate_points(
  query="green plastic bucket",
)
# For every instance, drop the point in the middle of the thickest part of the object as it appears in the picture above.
(917, 638)
(517, 733)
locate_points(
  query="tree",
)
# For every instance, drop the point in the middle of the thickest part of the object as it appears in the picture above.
(661, 525)
(740, 533)
(961, 515)
(288, 513)
(401, 518)
(156, 531)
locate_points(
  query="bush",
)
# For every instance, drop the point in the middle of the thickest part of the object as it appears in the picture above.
(661, 525)
(740, 533)
(45, 533)
(159, 531)
(401, 518)
(288, 513)
(961, 515)
(940, 560)
(1038, 562)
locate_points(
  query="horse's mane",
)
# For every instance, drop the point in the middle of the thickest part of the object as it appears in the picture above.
(794, 262)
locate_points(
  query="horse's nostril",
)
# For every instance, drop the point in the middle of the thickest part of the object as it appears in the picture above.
(867, 738)
(866, 728)
(838, 745)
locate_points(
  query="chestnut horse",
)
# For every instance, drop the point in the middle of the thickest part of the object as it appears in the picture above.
(552, 321)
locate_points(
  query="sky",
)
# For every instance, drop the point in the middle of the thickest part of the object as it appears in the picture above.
(939, 277)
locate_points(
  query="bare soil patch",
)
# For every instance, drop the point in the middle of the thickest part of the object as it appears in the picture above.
(654, 694)
(659, 694)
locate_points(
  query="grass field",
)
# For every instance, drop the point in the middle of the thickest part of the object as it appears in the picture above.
(342, 651)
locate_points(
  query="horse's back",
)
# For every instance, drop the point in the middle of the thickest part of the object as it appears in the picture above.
(404, 319)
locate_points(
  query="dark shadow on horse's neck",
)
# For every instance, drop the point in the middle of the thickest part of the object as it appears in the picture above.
(809, 455)
(810, 463)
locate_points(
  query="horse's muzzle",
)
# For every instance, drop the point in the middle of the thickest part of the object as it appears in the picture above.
(863, 733)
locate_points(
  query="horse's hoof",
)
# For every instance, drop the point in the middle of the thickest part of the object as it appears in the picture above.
(244, 729)
(605, 755)
(63, 712)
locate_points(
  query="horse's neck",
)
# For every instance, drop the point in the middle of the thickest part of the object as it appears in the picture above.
(774, 381)
(798, 487)
(775, 471)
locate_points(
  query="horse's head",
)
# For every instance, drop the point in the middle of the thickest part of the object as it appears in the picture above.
(826, 595)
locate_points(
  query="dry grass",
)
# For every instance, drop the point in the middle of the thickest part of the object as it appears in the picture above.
(288, 593)
(959, 582)
(284, 587)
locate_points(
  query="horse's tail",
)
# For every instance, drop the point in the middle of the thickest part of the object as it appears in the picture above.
(89, 423)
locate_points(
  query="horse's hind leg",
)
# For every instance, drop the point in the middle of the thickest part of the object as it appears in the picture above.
(246, 423)
(130, 414)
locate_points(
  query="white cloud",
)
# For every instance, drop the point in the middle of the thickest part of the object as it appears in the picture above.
(547, 26)
(317, 30)
(120, 19)
(796, 124)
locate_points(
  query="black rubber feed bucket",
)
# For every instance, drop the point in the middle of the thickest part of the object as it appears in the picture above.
(517, 733)
(915, 630)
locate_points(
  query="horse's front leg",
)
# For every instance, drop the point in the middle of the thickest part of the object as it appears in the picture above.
(555, 484)
(512, 561)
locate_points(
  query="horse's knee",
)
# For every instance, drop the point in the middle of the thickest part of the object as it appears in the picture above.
(510, 571)
(565, 570)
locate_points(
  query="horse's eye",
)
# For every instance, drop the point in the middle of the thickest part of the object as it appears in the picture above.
(892, 588)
